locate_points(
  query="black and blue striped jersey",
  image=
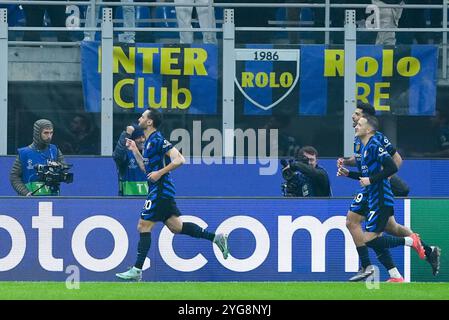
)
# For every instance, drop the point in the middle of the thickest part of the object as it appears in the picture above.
(155, 158)
(381, 138)
(373, 156)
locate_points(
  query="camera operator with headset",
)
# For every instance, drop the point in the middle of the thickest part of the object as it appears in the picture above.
(304, 177)
(31, 162)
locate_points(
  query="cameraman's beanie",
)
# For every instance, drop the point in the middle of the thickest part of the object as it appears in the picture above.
(38, 126)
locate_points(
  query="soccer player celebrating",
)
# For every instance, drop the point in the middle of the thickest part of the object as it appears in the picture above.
(398, 186)
(160, 204)
(359, 207)
(376, 166)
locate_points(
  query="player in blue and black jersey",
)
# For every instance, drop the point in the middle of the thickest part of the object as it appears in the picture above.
(159, 158)
(359, 206)
(399, 187)
(376, 167)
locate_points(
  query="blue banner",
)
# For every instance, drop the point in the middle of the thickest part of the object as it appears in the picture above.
(220, 180)
(308, 80)
(179, 78)
(269, 240)
(271, 79)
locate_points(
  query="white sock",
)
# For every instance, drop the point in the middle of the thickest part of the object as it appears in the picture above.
(408, 241)
(394, 273)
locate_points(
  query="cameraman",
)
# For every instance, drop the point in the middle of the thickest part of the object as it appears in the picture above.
(23, 175)
(304, 177)
(132, 181)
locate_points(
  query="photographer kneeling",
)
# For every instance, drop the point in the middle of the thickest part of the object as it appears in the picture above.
(304, 177)
(39, 167)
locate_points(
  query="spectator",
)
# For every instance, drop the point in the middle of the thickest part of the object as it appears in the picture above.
(304, 177)
(129, 21)
(389, 18)
(34, 15)
(206, 17)
(132, 181)
(23, 177)
(83, 137)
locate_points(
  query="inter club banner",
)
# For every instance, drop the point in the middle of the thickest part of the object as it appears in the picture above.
(309, 80)
(179, 78)
(296, 81)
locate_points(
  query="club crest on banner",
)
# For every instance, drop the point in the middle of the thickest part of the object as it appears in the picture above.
(260, 72)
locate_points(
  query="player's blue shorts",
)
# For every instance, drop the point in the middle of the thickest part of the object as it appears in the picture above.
(159, 209)
(359, 204)
(376, 220)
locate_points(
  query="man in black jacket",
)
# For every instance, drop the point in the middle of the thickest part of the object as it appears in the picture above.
(132, 181)
(304, 177)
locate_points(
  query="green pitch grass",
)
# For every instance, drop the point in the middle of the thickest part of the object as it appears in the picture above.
(222, 291)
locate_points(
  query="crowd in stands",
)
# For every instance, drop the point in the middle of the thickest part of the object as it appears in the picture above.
(82, 136)
(183, 16)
